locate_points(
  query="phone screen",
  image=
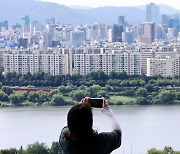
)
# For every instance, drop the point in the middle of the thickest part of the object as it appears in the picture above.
(96, 102)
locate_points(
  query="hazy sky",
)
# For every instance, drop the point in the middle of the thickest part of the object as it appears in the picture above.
(97, 3)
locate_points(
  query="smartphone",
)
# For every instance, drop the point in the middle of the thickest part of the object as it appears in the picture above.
(96, 102)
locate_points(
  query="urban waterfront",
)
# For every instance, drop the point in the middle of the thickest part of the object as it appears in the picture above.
(143, 127)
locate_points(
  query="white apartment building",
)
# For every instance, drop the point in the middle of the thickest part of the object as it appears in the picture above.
(163, 66)
(54, 63)
(107, 62)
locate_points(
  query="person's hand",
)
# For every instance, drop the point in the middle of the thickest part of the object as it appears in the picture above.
(105, 103)
(85, 100)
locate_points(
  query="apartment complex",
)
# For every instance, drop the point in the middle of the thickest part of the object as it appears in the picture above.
(54, 63)
(163, 66)
(132, 59)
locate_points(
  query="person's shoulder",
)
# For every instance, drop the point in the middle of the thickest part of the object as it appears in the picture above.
(63, 132)
(65, 129)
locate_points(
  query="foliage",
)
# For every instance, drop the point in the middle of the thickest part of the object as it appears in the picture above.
(166, 150)
(9, 151)
(54, 148)
(37, 148)
(150, 90)
(7, 90)
(57, 99)
(166, 96)
(3, 96)
(79, 94)
(142, 101)
(142, 92)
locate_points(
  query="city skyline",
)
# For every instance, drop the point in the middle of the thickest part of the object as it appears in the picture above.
(94, 3)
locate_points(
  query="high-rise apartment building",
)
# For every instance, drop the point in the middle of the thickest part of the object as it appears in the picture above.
(54, 63)
(152, 13)
(107, 62)
(163, 66)
(148, 32)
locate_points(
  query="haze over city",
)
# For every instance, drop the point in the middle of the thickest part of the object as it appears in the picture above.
(95, 3)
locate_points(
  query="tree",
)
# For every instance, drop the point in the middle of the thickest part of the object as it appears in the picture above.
(113, 75)
(58, 99)
(79, 94)
(128, 92)
(168, 150)
(3, 96)
(62, 89)
(0, 85)
(122, 75)
(15, 99)
(154, 151)
(38, 148)
(93, 90)
(102, 93)
(178, 95)
(166, 96)
(7, 90)
(53, 92)
(149, 87)
(42, 97)
(54, 148)
(142, 92)
(9, 151)
(32, 97)
(142, 101)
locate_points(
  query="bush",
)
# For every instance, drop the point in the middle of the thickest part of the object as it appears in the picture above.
(58, 100)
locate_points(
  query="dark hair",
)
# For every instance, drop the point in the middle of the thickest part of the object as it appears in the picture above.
(80, 122)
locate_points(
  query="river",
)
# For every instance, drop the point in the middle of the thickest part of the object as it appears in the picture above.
(143, 127)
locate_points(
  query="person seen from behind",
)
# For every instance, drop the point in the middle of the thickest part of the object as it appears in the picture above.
(78, 137)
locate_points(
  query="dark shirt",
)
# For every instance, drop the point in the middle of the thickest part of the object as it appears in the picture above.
(104, 143)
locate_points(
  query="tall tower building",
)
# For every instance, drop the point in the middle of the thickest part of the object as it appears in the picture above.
(77, 38)
(117, 33)
(121, 20)
(165, 19)
(148, 32)
(128, 35)
(26, 24)
(152, 13)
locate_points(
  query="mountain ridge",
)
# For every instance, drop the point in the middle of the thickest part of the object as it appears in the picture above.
(13, 10)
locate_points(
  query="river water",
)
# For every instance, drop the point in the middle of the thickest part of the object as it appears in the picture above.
(143, 127)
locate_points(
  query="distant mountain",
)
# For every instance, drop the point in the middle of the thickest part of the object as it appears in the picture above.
(80, 7)
(13, 10)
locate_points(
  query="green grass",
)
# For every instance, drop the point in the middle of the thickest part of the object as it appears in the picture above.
(123, 99)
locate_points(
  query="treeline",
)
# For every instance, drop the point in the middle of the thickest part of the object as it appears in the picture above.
(100, 78)
(145, 90)
(166, 150)
(65, 95)
(36, 148)
(41, 148)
